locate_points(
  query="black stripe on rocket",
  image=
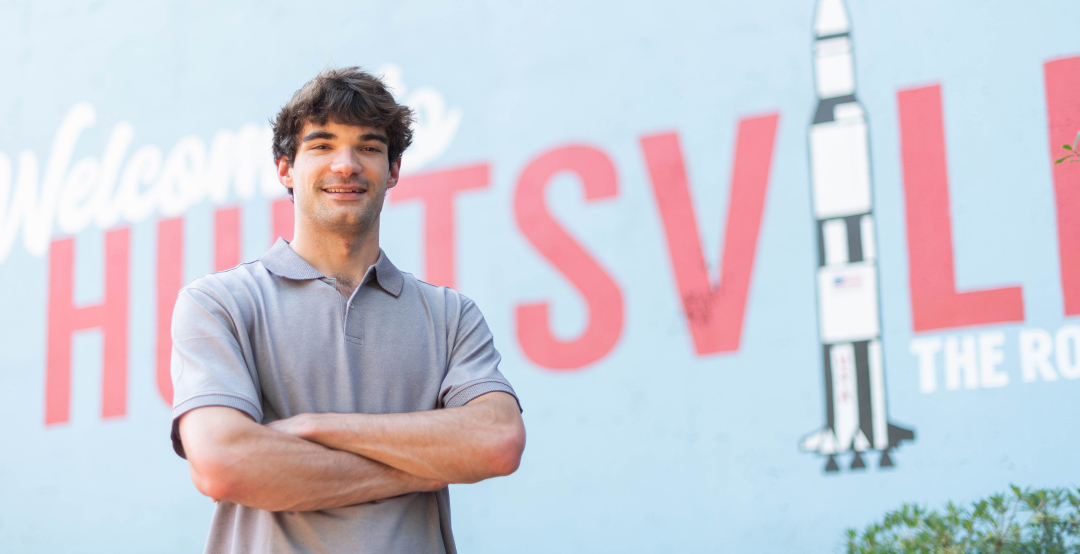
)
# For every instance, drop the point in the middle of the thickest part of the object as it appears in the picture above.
(853, 228)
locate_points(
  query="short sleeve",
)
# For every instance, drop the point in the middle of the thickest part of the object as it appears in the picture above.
(208, 366)
(473, 368)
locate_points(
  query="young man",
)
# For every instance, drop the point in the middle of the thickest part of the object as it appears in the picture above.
(324, 398)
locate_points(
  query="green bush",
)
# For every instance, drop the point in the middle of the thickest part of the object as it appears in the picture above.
(1024, 522)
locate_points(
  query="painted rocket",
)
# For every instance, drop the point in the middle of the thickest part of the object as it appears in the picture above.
(849, 319)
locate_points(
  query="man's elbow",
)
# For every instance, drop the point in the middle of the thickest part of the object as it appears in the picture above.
(215, 475)
(505, 454)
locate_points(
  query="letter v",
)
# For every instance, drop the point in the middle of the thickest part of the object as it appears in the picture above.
(715, 314)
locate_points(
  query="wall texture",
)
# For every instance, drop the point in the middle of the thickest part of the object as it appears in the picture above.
(759, 271)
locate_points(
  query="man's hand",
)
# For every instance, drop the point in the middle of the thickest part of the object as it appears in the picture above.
(483, 439)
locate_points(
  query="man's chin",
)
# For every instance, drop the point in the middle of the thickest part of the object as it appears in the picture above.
(350, 223)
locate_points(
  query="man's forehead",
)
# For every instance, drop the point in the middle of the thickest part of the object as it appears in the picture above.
(342, 130)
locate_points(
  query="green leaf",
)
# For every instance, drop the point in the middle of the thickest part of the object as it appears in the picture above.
(1062, 159)
(1066, 146)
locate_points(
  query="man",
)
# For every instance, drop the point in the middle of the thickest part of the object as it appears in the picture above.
(324, 398)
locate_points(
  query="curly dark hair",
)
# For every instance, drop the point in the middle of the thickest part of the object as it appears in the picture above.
(350, 96)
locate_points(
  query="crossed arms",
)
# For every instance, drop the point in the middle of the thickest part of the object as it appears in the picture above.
(322, 461)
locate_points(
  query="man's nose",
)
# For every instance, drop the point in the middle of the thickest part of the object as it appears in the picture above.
(345, 163)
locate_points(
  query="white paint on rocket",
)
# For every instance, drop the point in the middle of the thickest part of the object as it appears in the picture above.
(840, 167)
(847, 303)
(845, 396)
(877, 396)
(833, 67)
(831, 18)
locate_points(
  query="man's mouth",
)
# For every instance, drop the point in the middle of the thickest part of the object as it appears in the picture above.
(355, 190)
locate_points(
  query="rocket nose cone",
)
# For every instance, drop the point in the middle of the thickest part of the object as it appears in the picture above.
(831, 18)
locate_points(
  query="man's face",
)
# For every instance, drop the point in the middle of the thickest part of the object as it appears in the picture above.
(340, 176)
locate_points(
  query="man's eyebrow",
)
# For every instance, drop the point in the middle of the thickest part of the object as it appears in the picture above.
(375, 136)
(318, 135)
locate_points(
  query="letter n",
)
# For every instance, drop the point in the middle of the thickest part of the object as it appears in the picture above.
(714, 313)
(111, 316)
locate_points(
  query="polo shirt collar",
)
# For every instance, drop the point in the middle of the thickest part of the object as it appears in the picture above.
(281, 260)
(389, 276)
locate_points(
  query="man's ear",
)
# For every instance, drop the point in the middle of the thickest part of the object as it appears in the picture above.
(284, 172)
(395, 170)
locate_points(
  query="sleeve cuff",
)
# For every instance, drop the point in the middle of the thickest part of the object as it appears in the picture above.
(208, 400)
(469, 393)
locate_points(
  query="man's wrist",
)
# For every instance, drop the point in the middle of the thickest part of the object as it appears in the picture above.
(328, 429)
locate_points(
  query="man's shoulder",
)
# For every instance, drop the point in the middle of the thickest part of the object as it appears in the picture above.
(454, 308)
(438, 294)
(243, 280)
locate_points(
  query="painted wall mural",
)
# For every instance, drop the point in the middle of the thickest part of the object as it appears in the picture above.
(753, 288)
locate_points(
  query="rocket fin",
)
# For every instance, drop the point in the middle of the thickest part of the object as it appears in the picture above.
(811, 442)
(829, 442)
(860, 443)
(899, 434)
(822, 442)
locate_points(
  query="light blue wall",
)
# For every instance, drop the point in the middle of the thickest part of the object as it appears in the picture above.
(654, 448)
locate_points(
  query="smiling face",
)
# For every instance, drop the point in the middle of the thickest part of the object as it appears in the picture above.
(339, 177)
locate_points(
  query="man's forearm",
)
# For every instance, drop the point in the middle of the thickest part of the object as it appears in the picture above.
(459, 445)
(252, 465)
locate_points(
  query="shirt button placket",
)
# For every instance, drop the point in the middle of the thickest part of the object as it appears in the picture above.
(353, 333)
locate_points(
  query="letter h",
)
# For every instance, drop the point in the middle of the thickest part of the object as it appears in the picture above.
(64, 319)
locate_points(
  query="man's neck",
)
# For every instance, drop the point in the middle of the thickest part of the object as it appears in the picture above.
(345, 258)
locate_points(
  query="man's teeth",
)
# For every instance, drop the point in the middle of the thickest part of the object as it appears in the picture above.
(343, 190)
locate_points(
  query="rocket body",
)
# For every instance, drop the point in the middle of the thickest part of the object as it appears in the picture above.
(849, 319)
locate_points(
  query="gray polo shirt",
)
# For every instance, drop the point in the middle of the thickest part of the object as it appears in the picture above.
(273, 338)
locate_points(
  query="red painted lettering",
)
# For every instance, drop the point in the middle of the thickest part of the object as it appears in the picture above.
(281, 220)
(226, 238)
(602, 295)
(1063, 107)
(437, 191)
(935, 303)
(64, 319)
(170, 278)
(715, 313)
